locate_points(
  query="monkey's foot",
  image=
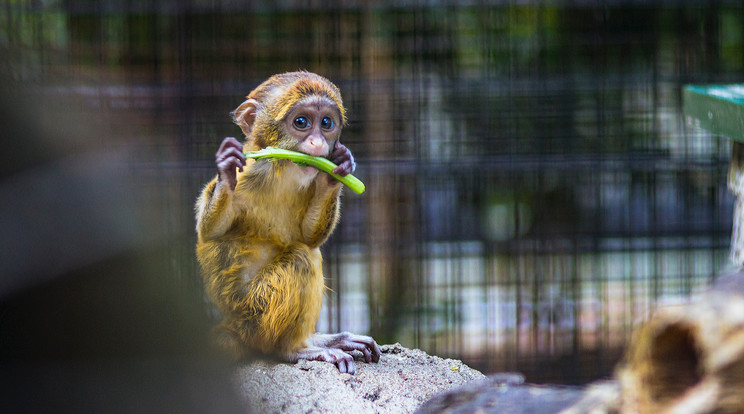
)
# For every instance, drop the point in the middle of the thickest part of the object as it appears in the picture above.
(347, 341)
(341, 359)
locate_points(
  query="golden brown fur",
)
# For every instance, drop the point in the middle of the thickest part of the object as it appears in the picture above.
(285, 267)
(258, 244)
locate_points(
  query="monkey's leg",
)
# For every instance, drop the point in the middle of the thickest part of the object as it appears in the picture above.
(282, 301)
(290, 293)
(272, 309)
(278, 308)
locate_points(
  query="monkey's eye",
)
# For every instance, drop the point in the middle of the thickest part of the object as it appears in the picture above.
(326, 123)
(300, 122)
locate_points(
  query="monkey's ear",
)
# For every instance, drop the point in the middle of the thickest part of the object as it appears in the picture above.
(245, 115)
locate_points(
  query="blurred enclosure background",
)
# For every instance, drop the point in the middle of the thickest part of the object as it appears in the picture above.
(533, 190)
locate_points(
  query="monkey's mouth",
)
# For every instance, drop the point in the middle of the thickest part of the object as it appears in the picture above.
(321, 154)
(309, 170)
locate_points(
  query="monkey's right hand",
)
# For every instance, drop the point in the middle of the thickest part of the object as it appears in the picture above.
(230, 159)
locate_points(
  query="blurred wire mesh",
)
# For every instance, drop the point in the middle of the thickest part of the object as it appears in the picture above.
(532, 189)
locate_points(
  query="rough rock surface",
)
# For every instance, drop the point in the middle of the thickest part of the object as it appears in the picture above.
(502, 394)
(402, 381)
(508, 394)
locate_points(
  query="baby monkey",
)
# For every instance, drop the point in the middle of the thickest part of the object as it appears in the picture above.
(260, 225)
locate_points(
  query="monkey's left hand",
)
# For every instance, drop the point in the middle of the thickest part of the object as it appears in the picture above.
(342, 157)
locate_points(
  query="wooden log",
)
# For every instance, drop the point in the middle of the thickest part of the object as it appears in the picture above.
(736, 185)
(690, 358)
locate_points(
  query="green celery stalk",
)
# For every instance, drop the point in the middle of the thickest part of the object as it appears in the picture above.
(299, 158)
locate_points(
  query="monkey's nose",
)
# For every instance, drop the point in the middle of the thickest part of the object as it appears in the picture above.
(317, 146)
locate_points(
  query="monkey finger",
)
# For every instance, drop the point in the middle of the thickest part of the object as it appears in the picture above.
(230, 164)
(369, 344)
(376, 353)
(350, 367)
(232, 141)
(230, 160)
(367, 355)
(224, 166)
(231, 152)
(229, 142)
(365, 345)
(374, 350)
(340, 155)
(347, 160)
(345, 366)
(343, 169)
(345, 163)
(353, 345)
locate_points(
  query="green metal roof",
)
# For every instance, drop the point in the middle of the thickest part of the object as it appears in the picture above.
(716, 108)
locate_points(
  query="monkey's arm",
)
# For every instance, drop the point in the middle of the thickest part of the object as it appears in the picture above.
(322, 213)
(214, 210)
(324, 210)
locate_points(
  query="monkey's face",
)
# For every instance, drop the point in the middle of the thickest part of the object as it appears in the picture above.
(313, 126)
(298, 111)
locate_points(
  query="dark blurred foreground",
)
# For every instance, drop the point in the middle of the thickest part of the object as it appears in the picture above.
(91, 320)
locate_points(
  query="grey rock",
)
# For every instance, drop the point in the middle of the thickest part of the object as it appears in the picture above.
(400, 382)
